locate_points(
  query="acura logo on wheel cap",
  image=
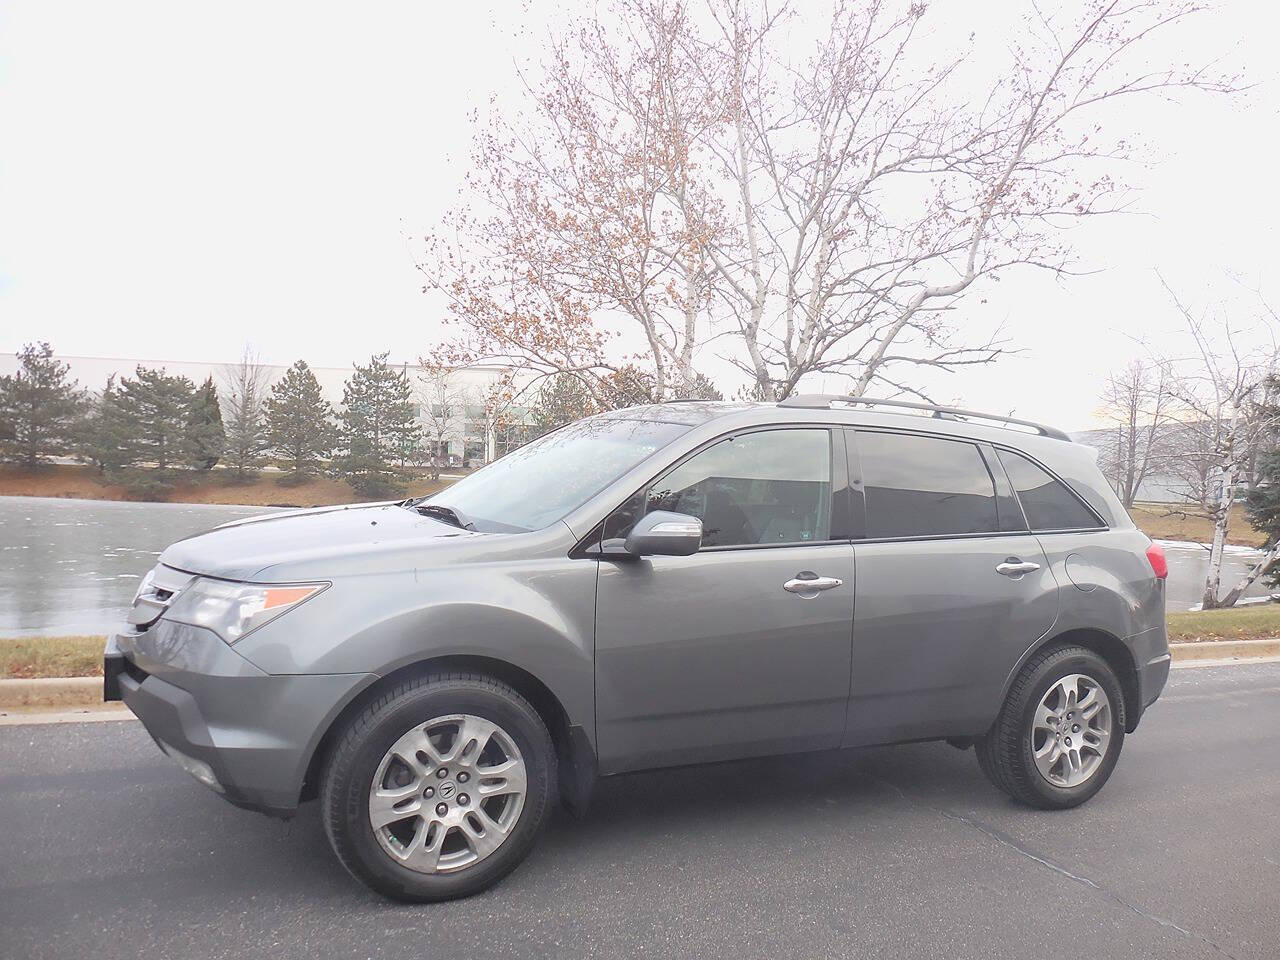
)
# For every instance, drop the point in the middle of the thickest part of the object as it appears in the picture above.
(446, 790)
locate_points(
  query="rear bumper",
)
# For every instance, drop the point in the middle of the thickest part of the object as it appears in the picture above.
(1151, 656)
(254, 733)
(1152, 679)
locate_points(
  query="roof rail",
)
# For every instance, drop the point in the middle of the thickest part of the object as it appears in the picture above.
(819, 400)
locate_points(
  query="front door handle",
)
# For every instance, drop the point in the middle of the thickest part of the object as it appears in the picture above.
(1015, 568)
(808, 584)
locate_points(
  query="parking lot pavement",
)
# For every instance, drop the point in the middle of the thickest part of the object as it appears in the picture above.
(108, 850)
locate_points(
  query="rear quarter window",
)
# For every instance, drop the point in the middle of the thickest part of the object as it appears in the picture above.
(1048, 504)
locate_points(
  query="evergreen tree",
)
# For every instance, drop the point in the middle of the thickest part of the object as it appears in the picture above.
(40, 408)
(630, 386)
(205, 439)
(704, 388)
(299, 422)
(103, 435)
(561, 399)
(379, 428)
(1263, 504)
(156, 409)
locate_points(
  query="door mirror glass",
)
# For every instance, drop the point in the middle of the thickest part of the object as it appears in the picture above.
(666, 534)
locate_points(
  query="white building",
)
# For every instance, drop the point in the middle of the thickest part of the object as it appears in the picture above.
(452, 411)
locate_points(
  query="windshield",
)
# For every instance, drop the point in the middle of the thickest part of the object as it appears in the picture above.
(534, 486)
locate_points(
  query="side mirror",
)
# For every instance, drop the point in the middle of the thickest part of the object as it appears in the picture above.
(665, 534)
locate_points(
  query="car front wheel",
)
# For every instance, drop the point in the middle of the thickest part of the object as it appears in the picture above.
(437, 789)
(1059, 733)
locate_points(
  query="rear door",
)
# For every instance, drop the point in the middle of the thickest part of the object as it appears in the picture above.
(951, 587)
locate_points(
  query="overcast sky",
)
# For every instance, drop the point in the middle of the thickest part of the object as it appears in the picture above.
(179, 179)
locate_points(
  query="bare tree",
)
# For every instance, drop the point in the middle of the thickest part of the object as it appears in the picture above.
(868, 201)
(444, 403)
(587, 211)
(677, 176)
(244, 392)
(1193, 465)
(1136, 401)
(1221, 390)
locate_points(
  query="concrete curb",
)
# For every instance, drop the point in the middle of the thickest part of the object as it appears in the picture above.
(87, 691)
(1225, 649)
(99, 712)
(51, 692)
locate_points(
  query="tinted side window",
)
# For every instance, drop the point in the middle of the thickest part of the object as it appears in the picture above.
(1048, 504)
(773, 486)
(923, 486)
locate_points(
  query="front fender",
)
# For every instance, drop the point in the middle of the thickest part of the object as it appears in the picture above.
(537, 615)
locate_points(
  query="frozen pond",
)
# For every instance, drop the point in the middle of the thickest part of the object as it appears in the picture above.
(1189, 564)
(71, 566)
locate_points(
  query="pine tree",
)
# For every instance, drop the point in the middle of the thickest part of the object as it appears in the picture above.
(205, 439)
(299, 422)
(40, 408)
(156, 408)
(103, 435)
(379, 428)
(561, 399)
(1263, 504)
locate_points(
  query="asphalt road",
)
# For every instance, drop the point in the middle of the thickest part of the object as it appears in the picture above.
(108, 850)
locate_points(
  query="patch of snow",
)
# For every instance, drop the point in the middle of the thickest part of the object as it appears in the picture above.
(1230, 550)
(1242, 602)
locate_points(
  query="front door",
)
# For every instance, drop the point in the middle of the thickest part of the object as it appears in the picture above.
(743, 648)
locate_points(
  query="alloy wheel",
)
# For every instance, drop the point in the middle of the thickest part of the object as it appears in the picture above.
(447, 794)
(1071, 730)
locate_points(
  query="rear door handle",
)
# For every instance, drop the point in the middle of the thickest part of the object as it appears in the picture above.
(1015, 568)
(808, 584)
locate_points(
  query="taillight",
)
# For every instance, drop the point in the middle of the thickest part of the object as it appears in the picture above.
(1159, 565)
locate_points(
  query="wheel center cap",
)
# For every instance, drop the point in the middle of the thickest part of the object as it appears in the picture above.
(446, 790)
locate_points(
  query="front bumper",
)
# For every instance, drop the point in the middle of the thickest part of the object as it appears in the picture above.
(200, 701)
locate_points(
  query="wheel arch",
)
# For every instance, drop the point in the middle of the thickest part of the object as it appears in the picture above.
(574, 749)
(1106, 645)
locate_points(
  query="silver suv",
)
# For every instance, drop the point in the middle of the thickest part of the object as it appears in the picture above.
(663, 585)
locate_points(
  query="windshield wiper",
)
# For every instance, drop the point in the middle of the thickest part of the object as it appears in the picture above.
(440, 512)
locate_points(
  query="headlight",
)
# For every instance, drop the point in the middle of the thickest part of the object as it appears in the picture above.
(232, 610)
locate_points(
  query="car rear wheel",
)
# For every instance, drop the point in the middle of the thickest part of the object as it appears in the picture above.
(437, 789)
(1060, 731)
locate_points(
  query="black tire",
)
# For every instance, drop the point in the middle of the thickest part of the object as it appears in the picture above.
(1005, 754)
(361, 746)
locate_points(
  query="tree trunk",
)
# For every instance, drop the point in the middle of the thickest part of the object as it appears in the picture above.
(1213, 578)
(1131, 465)
(1257, 570)
(1221, 520)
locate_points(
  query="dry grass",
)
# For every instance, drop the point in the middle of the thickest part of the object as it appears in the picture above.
(66, 480)
(32, 657)
(1252, 622)
(1162, 521)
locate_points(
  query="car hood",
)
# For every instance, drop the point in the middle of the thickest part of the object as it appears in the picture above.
(279, 547)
